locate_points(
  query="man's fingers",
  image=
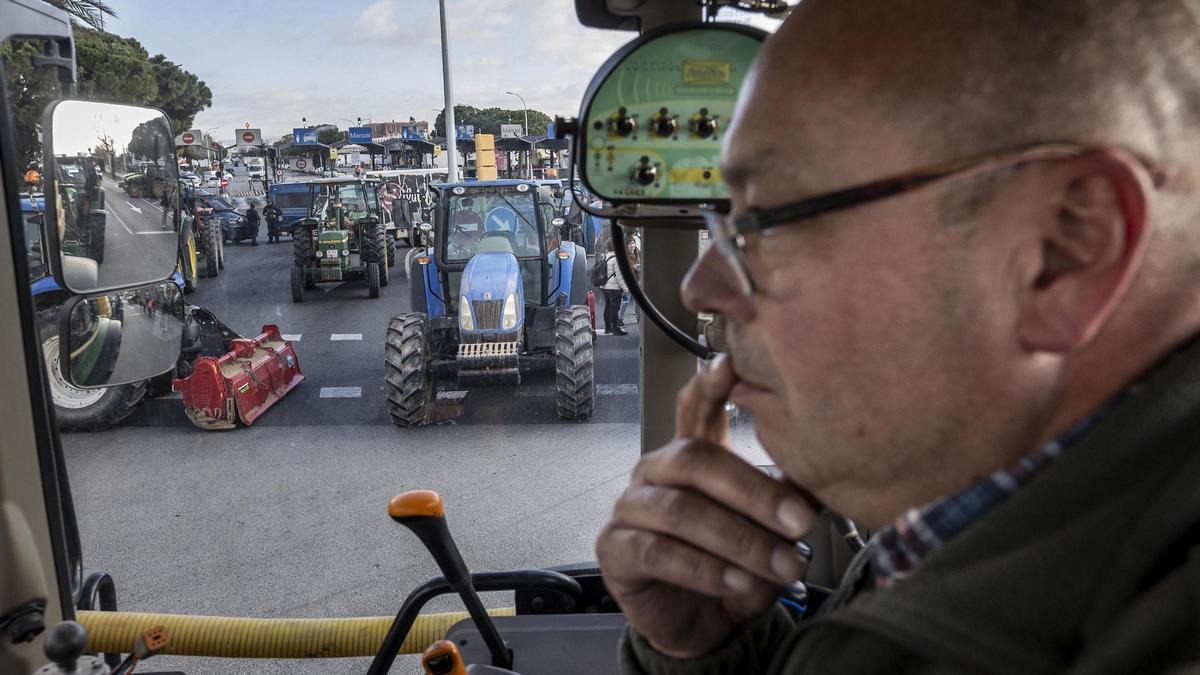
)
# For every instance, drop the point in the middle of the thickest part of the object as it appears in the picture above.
(700, 405)
(697, 520)
(727, 479)
(630, 555)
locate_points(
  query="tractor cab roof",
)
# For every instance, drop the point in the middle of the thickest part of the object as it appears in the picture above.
(341, 180)
(502, 182)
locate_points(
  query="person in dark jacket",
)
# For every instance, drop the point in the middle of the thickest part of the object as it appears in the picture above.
(273, 216)
(983, 348)
(253, 222)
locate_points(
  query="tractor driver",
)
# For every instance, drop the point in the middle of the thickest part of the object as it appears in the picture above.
(467, 225)
(984, 350)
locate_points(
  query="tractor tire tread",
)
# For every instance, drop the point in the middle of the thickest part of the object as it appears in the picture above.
(574, 363)
(410, 388)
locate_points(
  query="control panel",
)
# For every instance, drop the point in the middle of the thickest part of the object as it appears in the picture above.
(654, 116)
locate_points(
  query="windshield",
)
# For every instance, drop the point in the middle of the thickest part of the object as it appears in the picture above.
(482, 214)
(292, 200)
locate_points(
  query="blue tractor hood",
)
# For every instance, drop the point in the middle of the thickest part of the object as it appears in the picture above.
(491, 276)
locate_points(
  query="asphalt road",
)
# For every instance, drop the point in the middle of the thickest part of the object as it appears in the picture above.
(134, 239)
(287, 518)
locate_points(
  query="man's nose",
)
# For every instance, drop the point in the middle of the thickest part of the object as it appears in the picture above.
(710, 286)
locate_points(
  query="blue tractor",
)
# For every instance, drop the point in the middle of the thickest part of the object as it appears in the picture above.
(497, 293)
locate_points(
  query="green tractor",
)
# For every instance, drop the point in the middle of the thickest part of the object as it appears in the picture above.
(148, 181)
(343, 238)
(82, 200)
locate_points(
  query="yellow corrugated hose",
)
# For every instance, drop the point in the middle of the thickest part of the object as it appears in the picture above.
(242, 638)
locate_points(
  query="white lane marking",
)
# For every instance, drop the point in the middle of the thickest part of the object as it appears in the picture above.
(113, 213)
(452, 396)
(135, 209)
(147, 201)
(329, 287)
(291, 337)
(341, 392)
(345, 336)
(616, 389)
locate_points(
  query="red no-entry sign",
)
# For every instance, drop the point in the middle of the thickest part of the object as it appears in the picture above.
(248, 137)
(188, 138)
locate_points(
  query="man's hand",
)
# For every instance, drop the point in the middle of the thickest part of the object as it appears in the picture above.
(701, 541)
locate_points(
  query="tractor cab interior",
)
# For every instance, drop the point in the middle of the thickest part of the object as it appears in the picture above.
(561, 618)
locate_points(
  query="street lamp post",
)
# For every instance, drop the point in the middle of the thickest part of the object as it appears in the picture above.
(448, 87)
(525, 130)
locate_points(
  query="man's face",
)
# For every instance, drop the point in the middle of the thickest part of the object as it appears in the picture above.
(880, 337)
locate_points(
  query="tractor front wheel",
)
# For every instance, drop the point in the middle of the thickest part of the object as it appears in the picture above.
(391, 249)
(574, 354)
(409, 384)
(212, 259)
(83, 409)
(372, 280)
(297, 284)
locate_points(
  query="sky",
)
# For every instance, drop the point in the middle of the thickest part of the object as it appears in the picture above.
(272, 63)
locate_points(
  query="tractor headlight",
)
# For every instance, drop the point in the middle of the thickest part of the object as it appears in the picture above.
(465, 320)
(345, 253)
(509, 320)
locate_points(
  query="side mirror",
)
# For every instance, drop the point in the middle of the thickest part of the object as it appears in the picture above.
(121, 337)
(129, 229)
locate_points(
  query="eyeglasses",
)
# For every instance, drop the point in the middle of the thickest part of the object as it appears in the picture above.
(729, 232)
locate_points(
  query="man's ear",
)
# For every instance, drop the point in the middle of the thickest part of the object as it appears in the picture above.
(1092, 235)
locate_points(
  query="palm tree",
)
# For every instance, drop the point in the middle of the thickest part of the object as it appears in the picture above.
(91, 12)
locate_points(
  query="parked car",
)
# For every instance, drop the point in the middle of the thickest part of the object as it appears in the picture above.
(234, 227)
(190, 179)
(212, 179)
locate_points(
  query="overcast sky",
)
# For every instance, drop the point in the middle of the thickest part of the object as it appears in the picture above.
(270, 63)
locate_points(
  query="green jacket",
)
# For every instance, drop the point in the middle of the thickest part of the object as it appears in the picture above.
(1092, 567)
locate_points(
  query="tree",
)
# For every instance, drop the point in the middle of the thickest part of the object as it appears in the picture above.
(331, 136)
(180, 94)
(113, 68)
(91, 12)
(109, 68)
(488, 120)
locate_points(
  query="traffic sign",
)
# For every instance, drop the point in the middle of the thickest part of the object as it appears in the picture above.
(359, 134)
(465, 132)
(301, 164)
(510, 130)
(190, 137)
(304, 137)
(250, 137)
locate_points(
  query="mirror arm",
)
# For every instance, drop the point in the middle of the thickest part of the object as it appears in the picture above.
(59, 53)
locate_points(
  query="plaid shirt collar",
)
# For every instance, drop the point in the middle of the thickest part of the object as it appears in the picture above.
(911, 538)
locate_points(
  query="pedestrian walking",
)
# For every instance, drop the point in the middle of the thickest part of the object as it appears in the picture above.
(614, 288)
(253, 222)
(273, 216)
(634, 253)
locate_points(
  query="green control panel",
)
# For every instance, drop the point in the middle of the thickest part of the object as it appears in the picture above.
(652, 130)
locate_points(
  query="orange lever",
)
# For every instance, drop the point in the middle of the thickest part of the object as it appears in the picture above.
(442, 658)
(416, 503)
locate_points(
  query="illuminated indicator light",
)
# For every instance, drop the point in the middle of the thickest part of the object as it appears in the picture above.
(422, 260)
(563, 255)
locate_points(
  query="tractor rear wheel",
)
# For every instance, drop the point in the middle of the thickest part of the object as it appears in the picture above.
(574, 354)
(212, 244)
(410, 388)
(297, 284)
(373, 280)
(391, 249)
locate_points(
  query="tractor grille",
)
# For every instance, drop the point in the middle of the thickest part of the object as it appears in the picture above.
(487, 313)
